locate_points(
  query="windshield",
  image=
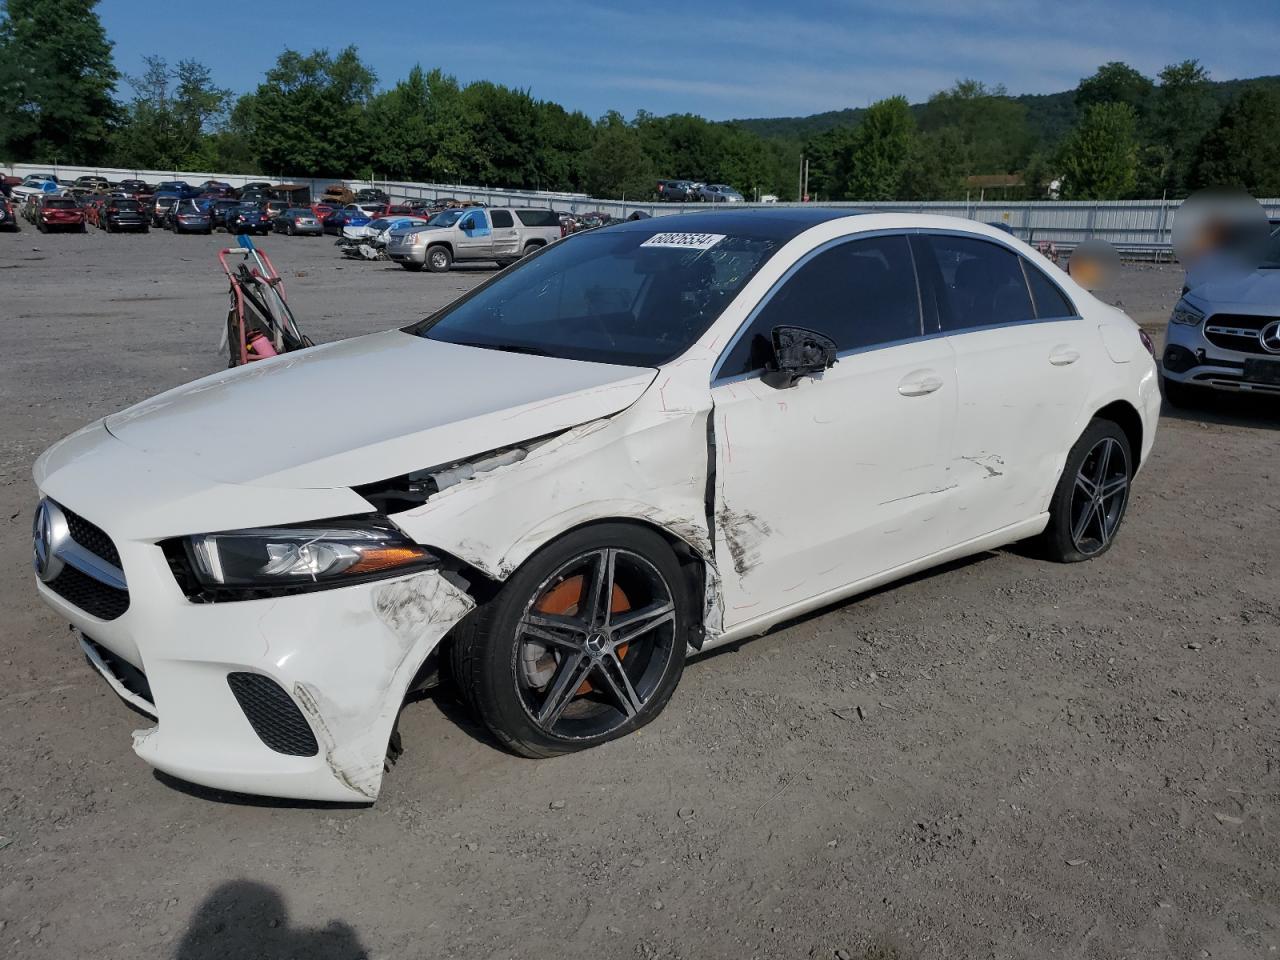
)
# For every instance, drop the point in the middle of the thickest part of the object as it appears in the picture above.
(446, 218)
(60, 204)
(1271, 252)
(627, 297)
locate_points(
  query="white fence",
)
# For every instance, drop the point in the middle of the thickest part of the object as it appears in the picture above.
(1139, 227)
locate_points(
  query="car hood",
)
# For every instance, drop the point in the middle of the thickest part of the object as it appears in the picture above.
(361, 410)
(1254, 291)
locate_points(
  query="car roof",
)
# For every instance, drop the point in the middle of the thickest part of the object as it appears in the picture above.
(781, 224)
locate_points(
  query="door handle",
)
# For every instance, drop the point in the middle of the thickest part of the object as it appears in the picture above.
(1063, 356)
(919, 383)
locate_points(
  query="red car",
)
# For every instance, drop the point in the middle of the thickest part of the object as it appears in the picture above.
(59, 213)
(93, 211)
(322, 210)
(8, 216)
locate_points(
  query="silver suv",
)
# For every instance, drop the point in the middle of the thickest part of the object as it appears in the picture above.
(1224, 334)
(502, 235)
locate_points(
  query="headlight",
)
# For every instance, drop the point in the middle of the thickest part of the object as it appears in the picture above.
(1186, 314)
(306, 556)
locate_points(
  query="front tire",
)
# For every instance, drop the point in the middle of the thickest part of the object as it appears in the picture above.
(585, 643)
(1092, 495)
(439, 259)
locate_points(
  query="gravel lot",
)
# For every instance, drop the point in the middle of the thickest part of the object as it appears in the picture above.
(1076, 761)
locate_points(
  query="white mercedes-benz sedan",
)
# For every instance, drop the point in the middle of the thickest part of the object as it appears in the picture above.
(642, 441)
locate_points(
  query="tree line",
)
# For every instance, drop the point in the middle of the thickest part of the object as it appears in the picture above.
(323, 114)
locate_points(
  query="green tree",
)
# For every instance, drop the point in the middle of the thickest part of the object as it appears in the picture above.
(173, 116)
(307, 117)
(56, 80)
(991, 134)
(1183, 111)
(1243, 148)
(1115, 82)
(617, 165)
(936, 166)
(1099, 158)
(400, 129)
(880, 150)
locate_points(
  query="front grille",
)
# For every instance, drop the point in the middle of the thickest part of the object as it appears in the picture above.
(92, 538)
(1236, 331)
(274, 716)
(92, 596)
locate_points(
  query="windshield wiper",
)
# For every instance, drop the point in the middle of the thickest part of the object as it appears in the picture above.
(507, 348)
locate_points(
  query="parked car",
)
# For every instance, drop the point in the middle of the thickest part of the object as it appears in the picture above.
(92, 183)
(120, 214)
(34, 186)
(8, 215)
(373, 195)
(260, 186)
(677, 190)
(378, 231)
(138, 189)
(567, 509)
(58, 213)
(373, 208)
(160, 206)
(248, 218)
(1224, 333)
(337, 219)
(502, 235)
(297, 221)
(91, 207)
(190, 216)
(719, 193)
(275, 208)
(338, 195)
(179, 188)
(219, 210)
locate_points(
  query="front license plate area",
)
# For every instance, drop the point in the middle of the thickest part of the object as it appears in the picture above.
(1262, 371)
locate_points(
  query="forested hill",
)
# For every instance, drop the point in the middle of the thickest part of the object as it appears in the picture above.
(1050, 115)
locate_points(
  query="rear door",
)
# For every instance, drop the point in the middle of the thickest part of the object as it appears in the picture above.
(843, 476)
(1023, 368)
(506, 241)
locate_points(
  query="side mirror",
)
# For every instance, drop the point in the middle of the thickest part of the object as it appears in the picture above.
(798, 352)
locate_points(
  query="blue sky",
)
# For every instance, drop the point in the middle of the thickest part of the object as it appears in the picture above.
(721, 60)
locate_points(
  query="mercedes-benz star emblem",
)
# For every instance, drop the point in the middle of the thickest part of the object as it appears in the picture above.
(48, 531)
(1269, 337)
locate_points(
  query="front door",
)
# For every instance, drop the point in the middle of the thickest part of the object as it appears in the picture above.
(842, 476)
(474, 237)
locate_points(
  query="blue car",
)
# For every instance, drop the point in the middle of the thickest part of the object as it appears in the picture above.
(248, 218)
(348, 216)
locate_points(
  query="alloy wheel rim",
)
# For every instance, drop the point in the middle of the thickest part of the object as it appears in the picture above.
(437, 259)
(590, 667)
(1099, 496)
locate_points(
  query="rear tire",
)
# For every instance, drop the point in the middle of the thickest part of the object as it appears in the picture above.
(1092, 495)
(439, 259)
(543, 697)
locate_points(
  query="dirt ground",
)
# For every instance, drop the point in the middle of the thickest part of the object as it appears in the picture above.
(1073, 761)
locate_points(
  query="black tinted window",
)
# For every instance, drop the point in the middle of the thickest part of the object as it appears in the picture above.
(982, 283)
(539, 218)
(1049, 300)
(502, 218)
(860, 294)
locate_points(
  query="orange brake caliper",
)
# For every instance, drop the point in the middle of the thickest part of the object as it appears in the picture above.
(563, 600)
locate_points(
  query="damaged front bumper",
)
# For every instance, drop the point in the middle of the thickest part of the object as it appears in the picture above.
(339, 661)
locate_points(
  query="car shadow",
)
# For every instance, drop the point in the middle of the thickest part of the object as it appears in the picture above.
(1255, 411)
(922, 576)
(243, 918)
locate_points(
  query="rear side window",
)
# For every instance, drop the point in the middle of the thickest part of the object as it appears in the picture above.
(538, 218)
(1050, 301)
(982, 283)
(502, 218)
(861, 294)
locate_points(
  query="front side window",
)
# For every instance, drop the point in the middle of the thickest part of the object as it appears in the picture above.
(981, 282)
(860, 293)
(627, 297)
